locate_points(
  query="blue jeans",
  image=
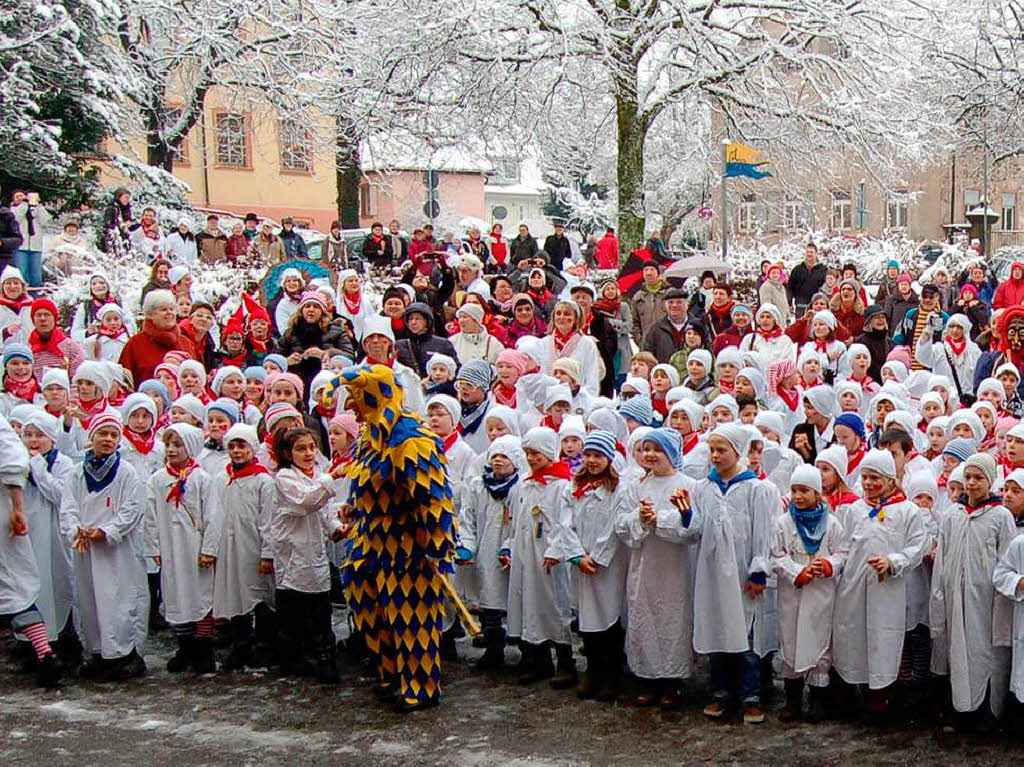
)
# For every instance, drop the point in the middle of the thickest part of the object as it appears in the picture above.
(30, 262)
(732, 670)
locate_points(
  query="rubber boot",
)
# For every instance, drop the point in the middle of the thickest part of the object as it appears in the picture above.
(128, 667)
(94, 668)
(527, 653)
(449, 651)
(494, 656)
(566, 676)
(816, 704)
(794, 700)
(591, 679)
(541, 667)
(326, 662)
(293, 658)
(611, 684)
(182, 659)
(48, 672)
(69, 651)
(203, 661)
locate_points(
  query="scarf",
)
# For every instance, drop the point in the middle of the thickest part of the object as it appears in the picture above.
(177, 493)
(723, 313)
(325, 411)
(91, 409)
(608, 305)
(724, 486)
(25, 390)
(498, 487)
(51, 344)
(143, 443)
(821, 345)
(16, 304)
(258, 345)
(100, 472)
(472, 416)
(447, 442)
(352, 306)
(108, 333)
(549, 421)
(726, 387)
(690, 441)
(811, 525)
(877, 511)
(956, 346)
(768, 335)
(841, 498)
(856, 458)
(251, 469)
(586, 486)
(214, 445)
(165, 338)
(564, 344)
(657, 287)
(539, 299)
(397, 325)
(504, 395)
(660, 406)
(556, 470)
(790, 396)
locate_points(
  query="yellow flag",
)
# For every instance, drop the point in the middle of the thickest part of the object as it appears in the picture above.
(744, 154)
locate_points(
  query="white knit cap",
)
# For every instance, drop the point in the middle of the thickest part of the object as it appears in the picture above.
(377, 325)
(637, 384)
(728, 402)
(509, 446)
(106, 309)
(543, 440)
(921, 482)
(95, 373)
(57, 376)
(880, 461)
(838, 458)
(703, 356)
(194, 366)
(970, 418)
(442, 359)
(192, 405)
(771, 309)
(221, 374)
(771, 421)
(137, 401)
(736, 436)
(854, 388)
(245, 432)
(1016, 476)
(668, 370)
(43, 421)
(730, 355)
(506, 415)
(557, 393)
(991, 385)
(1007, 367)
(572, 426)
(904, 419)
(191, 437)
(823, 398)
(806, 475)
(984, 462)
(449, 403)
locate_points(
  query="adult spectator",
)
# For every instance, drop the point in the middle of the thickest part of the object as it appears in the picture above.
(606, 251)
(378, 346)
(376, 247)
(197, 329)
(916, 320)
(476, 245)
(498, 247)
(648, 302)
(656, 246)
(159, 334)
(10, 237)
(269, 245)
(902, 301)
(985, 281)
(212, 242)
(238, 244)
(742, 325)
(619, 315)
(523, 246)
(526, 320)
(86, 320)
(251, 226)
(118, 221)
(420, 342)
(888, 284)
(566, 338)
(473, 342)
(31, 218)
(665, 338)
(399, 245)
(848, 306)
(286, 303)
(66, 250)
(773, 291)
(877, 339)
(50, 346)
(147, 238)
(180, 245)
(976, 310)
(719, 311)
(1011, 292)
(806, 279)
(310, 339)
(158, 278)
(294, 245)
(335, 249)
(557, 247)
(598, 327)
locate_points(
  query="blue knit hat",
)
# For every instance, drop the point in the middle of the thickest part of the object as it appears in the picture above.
(279, 360)
(852, 421)
(960, 448)
(13, 350)
(158, 387)
(602, 442)
(255, 371)
(226, 406)
(669, 441)
(638, 408)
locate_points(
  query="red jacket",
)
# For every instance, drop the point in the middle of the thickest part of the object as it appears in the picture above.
(606, 252)
(1011, 292)
(146, 349)
(731, 336)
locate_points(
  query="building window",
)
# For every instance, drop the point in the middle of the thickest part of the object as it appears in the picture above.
(296, 147)
(179, 155)
(506, 171)
(896, 210)
(367, 200)
(794, 212)
(842, 210)
(232, 136)
(748, 212)
(1009, 220)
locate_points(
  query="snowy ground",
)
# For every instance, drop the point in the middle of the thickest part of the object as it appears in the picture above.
(263, 718)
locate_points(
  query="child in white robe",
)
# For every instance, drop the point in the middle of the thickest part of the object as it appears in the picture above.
(538, 588)
(101, 517)
(221, 415)
(182, 535)
(596, 498)
(246, 497)
(807, 559)
(1008, 578)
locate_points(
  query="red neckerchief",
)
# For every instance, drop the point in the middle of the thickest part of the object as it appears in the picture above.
(856, 458)
(768, 335)
(251, 469)
(15, 304)
(447, 442)
(152, 231)
(325, 412)
(108, 333)
(821, 345)
(397, 325)
(988, 442)
(177, 493)
(52, 344)
(726, 387)
(504, 395)
(659, 405)
(25, 390)
(271, 444)
(957, 347)
(387, 363)
(142, 443)
(257, 344)
(561, 341)
(1003, 460)
(377, 238)
(539, 299)
(557, 470)
(586, 323)
(352, 306)
(983, 505)
(51, 411)
(548, 421)
(942, 481)
(790, 396)
(815, 382)
(911, 456)
(91, 409)
(840, 498)
(690, 441)
(724, 311)
(588, 484)
(609, 305)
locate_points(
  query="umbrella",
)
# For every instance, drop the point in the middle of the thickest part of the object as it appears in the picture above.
(694, 266)
(630, 273)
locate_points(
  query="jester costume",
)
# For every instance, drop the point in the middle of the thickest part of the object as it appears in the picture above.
(404, 539)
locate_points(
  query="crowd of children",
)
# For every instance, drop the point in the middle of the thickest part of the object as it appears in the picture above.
(789, 507)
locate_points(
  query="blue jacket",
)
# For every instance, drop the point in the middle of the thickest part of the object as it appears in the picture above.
(903, 334)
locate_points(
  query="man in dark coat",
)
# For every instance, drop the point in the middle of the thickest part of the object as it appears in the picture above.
(10, 236)
(665, 337)
(806, 279)
(523, 247)
(557, 247)
(415, 350)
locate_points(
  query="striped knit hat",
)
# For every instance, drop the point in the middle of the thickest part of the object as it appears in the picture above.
(602, 442)
(639, 409)
(477, 373)
(277, 411)
(108, 417)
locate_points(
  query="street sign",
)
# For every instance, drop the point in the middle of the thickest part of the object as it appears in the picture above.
(432, 209)
(705, 214)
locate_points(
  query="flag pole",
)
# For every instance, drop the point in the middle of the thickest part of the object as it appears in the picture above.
(725, 202)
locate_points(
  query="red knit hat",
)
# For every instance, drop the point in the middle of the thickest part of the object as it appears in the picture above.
(44, 304)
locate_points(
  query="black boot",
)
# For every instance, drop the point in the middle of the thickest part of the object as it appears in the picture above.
(94, 668)
(449, 651)
(494, 656)
(326, 663)
(48, 672)
(590, 681)
(292, 656)
(566, 675)
(128, 667)
(182, 659)
(794, 700)
(239, 657)
(69, 651)
(816, 705)
(611, 684)
(541, 666)
(203, 661)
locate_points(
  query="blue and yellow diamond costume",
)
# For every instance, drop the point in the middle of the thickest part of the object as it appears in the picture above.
(404, 536)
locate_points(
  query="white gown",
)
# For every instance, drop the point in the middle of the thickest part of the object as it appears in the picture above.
(483, 530)
(300, 525)
(870, 617)
(659, 584)
(52, 553)
(178, 534)
(1009, 570)
(112, 595)
(970, 621)
(19, 576)
(246, 507)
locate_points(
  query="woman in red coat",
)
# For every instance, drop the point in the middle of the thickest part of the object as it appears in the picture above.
(848, 307)
(159, 334)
